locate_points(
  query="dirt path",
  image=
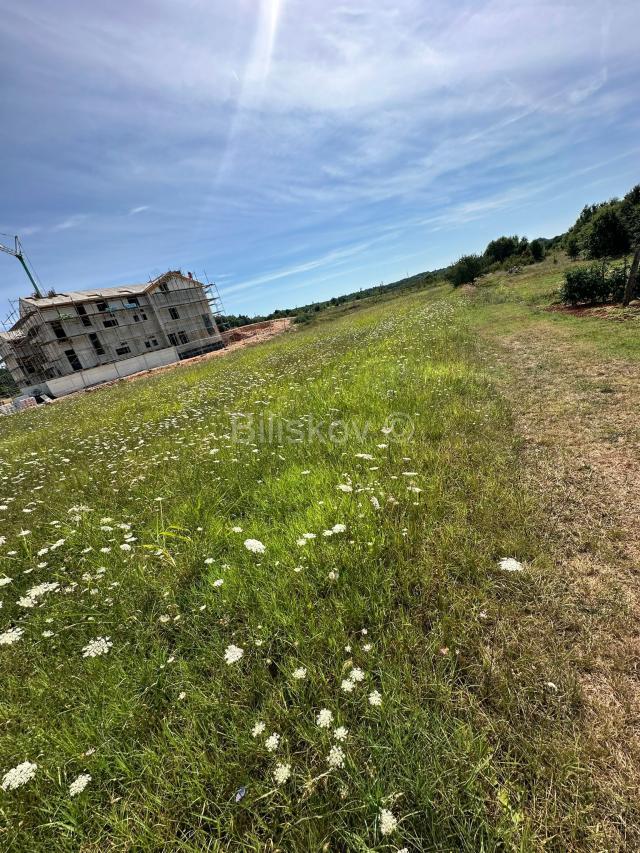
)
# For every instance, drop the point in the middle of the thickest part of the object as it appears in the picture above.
(580, 417)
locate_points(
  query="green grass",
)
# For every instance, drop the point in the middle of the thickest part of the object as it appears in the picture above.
(470, 748)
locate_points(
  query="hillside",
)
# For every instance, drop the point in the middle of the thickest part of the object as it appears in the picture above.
(264, 602)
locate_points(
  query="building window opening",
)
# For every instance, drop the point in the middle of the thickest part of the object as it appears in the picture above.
(95, 343)
(74, 361)
(58, 330)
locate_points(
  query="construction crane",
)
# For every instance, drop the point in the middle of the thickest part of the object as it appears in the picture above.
(18, 253)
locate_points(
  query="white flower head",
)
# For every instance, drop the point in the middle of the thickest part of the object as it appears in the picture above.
(78, 785)
(232, 654)
(281, 773)
(18, 776)
(344, 487)
(340, 733)
(335, 757)
(375, 698)
(97, 647)
(388, 822)
(255, 546)
(11, 636)
(356, 674)
(509, 564)
(300, 673)
(272, 742)
(324, 718)
(347, 685)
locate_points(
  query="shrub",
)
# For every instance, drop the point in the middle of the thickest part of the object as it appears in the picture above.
(537, 250)
(572, 247)
(466, 270)
(593, 283)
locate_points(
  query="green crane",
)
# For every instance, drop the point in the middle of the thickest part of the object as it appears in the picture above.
(19, 254)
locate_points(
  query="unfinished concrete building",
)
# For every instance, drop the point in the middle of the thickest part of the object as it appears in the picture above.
(69, 341)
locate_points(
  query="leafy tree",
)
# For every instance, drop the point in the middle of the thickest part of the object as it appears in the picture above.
(466, 270)
(608, 236)
(537, 250)
(502, 248)
(572, 247)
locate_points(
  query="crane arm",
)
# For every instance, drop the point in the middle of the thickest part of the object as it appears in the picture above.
(17, 253)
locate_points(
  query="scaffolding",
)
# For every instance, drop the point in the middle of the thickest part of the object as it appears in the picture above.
(172, 317)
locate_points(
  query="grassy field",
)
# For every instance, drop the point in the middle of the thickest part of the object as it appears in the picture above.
(259, 601)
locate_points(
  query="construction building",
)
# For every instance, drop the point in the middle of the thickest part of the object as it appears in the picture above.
(65, 342)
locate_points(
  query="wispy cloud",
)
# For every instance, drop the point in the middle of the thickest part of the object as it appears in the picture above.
(70, 222)
(285, 140)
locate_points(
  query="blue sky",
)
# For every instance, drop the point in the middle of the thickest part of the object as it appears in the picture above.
(299, 149)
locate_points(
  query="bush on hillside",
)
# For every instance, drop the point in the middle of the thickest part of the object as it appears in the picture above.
(593, 284)
(466, 270)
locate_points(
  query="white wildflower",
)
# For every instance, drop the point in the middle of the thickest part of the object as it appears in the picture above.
(218, 583)
(375, 698)
(335, 757)
(339, 528)
(347, 685)
(340, 733)
(388, 822)
(258, 729)
(356, 674)
(324, 718)
(97, 647)
(233, 653)
(300, 673)
(272, 742)
(18, 776)
(78, 785)
(344, 487)
(236, 530)
(4, 581)
(255, 546)
(281, 773)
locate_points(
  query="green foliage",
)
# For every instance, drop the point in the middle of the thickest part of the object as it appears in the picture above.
(537, 250)
(572, 247)
(608, 229)
(502, 248)
(607, 236)
(8, 387)
(466, 270)
(593, 283)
